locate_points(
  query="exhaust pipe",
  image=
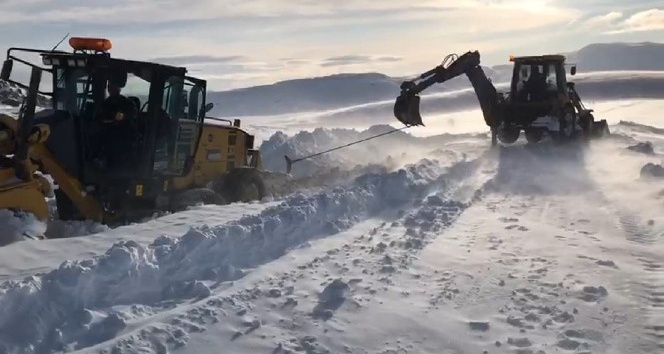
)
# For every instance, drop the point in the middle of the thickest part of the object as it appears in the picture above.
(407, 110)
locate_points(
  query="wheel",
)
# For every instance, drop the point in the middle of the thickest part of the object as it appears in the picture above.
(508, 135)
(567, 123)
(242, 185)
(192, 197)
(534, 135)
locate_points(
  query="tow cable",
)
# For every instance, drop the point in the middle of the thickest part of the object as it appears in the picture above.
(290, 162)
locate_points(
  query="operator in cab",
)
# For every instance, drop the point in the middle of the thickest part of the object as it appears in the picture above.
(116, 107)
(118, 117)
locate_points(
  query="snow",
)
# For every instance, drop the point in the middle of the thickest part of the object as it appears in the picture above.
(422, 241)
(19, 227)
(129, 273)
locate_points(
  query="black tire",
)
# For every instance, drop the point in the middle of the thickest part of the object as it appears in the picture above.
(509, 136)
(534, 135)
(242, 185)
(192, 197)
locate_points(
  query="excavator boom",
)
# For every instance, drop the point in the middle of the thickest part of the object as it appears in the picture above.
(407, 105)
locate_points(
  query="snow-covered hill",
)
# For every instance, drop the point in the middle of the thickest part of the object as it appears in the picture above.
(633, 71)
(11, 96)
(594, 88)
(619, 56)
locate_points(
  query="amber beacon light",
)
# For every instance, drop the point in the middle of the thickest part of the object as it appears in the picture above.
(95, 44)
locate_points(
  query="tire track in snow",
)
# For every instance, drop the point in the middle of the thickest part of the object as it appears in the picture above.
(380, 252)
(649, 281)
(648, 288)
(381, 264)
(73, 306)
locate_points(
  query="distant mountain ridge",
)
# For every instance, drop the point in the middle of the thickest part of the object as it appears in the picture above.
(343, 90)
(645, 56)
(12, 95)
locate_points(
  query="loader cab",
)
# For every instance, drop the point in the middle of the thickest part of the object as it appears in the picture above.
(538, 79)
(117, 122)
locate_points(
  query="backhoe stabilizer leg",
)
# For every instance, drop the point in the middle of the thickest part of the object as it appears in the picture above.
(289, 163)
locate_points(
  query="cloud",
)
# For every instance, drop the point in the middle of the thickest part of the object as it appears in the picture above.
(293, 61)
(603, 21)
(198, 59)
(616, 23)
(357, 59)
(649, 20)
(166, 11)
(243, 42)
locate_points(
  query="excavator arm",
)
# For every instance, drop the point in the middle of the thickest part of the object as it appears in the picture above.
(407, 105)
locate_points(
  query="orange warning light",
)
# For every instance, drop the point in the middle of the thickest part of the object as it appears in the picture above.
(512, 57)
(96, 44)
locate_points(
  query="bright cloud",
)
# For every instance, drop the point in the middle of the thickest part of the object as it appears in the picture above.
(165, 11)
(649, 20)
(617, 22)
(238, 43)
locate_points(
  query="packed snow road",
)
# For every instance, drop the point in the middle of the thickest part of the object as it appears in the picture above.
(521, 250)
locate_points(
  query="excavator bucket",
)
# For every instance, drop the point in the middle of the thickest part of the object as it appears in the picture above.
(407, 110)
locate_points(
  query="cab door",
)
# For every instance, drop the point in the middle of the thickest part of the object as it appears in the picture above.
(190, 124)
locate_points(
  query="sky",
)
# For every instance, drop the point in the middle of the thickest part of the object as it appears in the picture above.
(241, 43)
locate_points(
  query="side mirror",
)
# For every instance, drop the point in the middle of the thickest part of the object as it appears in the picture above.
(6, 69)
(208, 107)
(573, 70)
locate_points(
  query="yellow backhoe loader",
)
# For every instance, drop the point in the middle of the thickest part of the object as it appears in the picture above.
(541, 102)
(122, 139)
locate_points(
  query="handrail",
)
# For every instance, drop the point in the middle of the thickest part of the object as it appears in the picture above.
(220, 119)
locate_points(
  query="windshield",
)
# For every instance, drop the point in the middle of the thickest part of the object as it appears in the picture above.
(73, 90)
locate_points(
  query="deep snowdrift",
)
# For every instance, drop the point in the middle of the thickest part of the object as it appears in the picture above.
(390, 150)
(80, 304)
(499, 276)
(19, 227)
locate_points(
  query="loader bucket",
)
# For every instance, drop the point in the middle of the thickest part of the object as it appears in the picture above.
(407, 110)
(600, 129)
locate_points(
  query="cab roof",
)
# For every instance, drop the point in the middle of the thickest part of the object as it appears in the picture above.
(84, 59)
(540, 58)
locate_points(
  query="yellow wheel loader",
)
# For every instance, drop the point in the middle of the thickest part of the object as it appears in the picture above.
(541, 102)
(122, 139)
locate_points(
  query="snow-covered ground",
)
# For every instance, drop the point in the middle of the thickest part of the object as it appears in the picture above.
(449, 248)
